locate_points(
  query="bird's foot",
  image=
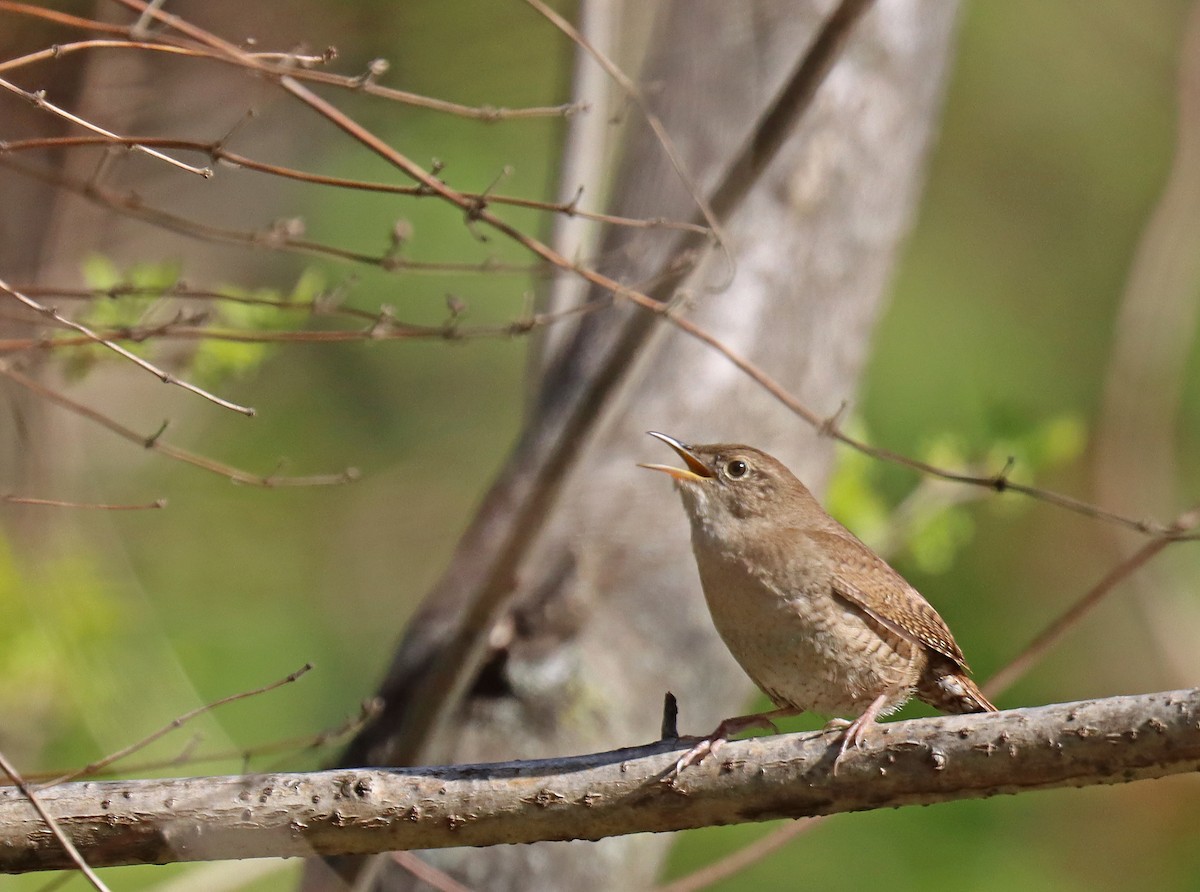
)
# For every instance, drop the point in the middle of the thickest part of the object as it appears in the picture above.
(708, 746)
(705, 747)
(855, 732)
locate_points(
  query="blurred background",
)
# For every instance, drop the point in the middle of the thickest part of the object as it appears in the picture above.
(1044, 309)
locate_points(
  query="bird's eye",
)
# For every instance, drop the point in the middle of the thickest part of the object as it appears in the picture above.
(736, 469)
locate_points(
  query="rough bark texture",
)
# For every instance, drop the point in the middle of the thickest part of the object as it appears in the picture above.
(604, 611)
(1116, 740)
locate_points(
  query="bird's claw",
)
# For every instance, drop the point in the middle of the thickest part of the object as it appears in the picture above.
(853, 734)
(705, 747)
(708, 746)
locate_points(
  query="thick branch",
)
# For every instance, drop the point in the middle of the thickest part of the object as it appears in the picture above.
(606, 794)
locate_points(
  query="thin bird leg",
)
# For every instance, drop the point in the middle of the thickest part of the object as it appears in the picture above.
(856, 730)
(709, 745)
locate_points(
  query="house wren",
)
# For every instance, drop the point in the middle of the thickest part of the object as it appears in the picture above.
(816, 618)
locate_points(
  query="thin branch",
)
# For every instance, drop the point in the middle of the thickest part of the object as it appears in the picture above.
(38, 99)
(427, 873)
(228, 52)
(737, 861)
(276, 238)
(216, 151)
(155, 443)
(59, 50)
(61, 18)
(290, 746)
(165, 377)
(176, 723)
(383, 327)
(322, 305)
(60, 838)
(712, 224)
(1049, 636)
(58, 503)
(359, 811)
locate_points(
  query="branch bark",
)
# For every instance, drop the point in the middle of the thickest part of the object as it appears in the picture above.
(358, 811)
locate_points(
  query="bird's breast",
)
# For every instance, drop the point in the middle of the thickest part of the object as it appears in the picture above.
(801, 645)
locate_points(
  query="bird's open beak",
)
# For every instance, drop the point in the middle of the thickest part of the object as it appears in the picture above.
(696, 469)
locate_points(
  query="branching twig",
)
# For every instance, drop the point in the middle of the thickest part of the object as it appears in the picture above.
(176, 723)
(211, 47)
(155, 442)
(1049, 636)
(38, 100)
(217, 151)
(271, 239)
(291, 746)
(712, 224)
(165, 377)
(383, 328)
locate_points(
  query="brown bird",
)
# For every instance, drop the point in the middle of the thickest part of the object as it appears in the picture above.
(816, 618)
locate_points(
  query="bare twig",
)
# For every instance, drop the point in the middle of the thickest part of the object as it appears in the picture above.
(58, 503)
(383, 327)
(228, 52)
(61, 18)
(656, 125)
(427, 873)
(165, 377)
(291, 746)
(38, 99)
(155, 442)
(179, 722)
(218, 152)
(60, 838)
(1021, 663)
(271, 239)
(60, 50)
(737, 861)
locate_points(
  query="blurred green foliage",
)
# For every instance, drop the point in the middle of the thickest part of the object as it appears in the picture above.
(932, 519)
(41, 640)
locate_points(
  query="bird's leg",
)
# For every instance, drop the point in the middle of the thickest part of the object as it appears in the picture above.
(854, 732)
(709, 745)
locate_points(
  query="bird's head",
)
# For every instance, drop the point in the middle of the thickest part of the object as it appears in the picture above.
(727, 486)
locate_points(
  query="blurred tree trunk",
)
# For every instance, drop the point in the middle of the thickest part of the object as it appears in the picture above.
(46, 232)
(602, 611)
(25, 218)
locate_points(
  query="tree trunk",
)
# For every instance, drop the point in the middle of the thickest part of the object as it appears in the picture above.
(599, 606)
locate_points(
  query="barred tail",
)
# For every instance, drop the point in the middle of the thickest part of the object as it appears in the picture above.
(946, 687)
